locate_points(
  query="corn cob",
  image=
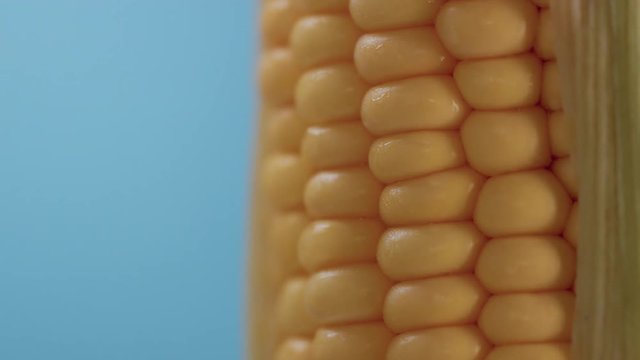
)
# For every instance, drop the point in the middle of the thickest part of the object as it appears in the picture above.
(417, 197)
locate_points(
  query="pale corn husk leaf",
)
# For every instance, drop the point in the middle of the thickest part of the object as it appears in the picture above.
(598, 53)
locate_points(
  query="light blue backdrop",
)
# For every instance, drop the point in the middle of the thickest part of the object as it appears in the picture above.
(125, 129)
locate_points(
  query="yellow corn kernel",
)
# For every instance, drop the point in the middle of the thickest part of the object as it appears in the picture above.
(444, 343)
(424, 251)
(420, 103)
(526, 263)
(544, 45)
(497, 84)
(342, 193)
(292, 317)
(450, 195)
(561, 130)
(541, 3)
(383, 14)
(557, 351)
(332, 296)
(396, 54)
(351, 342)
(333, 243)
(506, 141)
(275, 274)
(571, 230)
(446, 300)
(523, 203)
(284, 177)
(278, 17)
(321, 39)
(284, 131)
(315, 6)
(523, 318)
(472, 29)
(565, 172)
(284, 233)
(336, 145)
(329, 94)
(551, 87)
(294, 349)
(418, 153)
(278, 76)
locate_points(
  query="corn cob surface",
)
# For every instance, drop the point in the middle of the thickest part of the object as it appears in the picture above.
(416, 194)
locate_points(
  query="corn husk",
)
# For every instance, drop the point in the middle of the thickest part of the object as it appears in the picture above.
(598, 52)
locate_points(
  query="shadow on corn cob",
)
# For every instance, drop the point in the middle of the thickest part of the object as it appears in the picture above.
(417, 181)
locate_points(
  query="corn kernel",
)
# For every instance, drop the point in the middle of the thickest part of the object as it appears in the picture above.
(315, 6)
(444, 196)
(524, 203)
(321, 39)
(274, 274)
(554, 351)
(424, 251)
(551, 99)
(284, 131)
(544, 46)
(541, 3)
(284, 177)
(336, 145)
(472, 29)
(571, 230)
(565, 170)
(526, 263)
(561, 131)
(398, 54)
(506, 141)
(342, 193)
(446, 343)
(351, 342)
(519, 318)
(284, 234)
(384, 14)
(292, 317)
(347, 294)
(278, 17)
(400, 157)
(421, 103)
(331, 243)
(278, 76)
(294, 349)
(440, 301)
(497, 84)
(332, 93)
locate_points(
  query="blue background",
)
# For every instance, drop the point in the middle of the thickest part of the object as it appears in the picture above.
(125, 130)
